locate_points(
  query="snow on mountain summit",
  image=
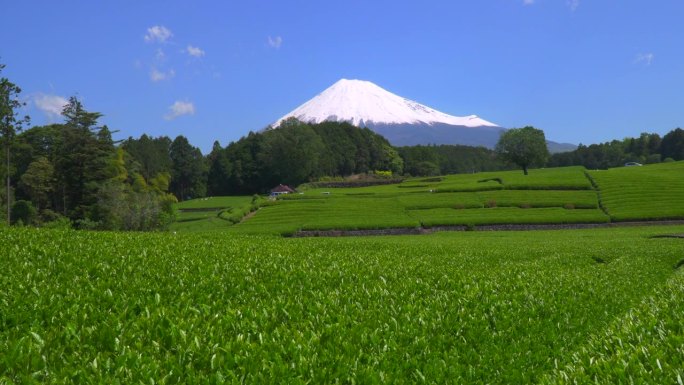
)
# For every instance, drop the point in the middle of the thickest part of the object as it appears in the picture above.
(363, 103)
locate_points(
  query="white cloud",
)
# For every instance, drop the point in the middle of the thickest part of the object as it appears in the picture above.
(160, 55)
(573, 4)
(157, 76)
(528, 2)
(180, 108)
(275, 42)
(51, 105)
(644, 58)
(195, 51)
(158, 33)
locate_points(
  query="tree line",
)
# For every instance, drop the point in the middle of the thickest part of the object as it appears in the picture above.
(75, 173)
(647, 148)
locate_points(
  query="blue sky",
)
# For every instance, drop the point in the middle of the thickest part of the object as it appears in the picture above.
(583, 71)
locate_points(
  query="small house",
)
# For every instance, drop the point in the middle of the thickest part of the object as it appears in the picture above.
(281, 189)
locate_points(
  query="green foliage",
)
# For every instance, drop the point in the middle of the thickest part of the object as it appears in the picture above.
(448, 159)
(57, 222)
(472, 307)
(296, 153)
(77, 117)
(523, 146)
(38, 181)
(647, 148)
(642, 345)
(124, 207)
(94, 183)
(383, 173)
(188, 170)
(82, 158)
(672, 145)
(220, 169)
(151, 155)
(10, 124)
(290, 155)
(24, 212)
(425, 168)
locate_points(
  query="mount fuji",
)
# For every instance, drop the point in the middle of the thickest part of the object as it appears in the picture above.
(402, 121)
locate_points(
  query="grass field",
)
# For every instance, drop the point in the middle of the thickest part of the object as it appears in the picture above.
(581, 306)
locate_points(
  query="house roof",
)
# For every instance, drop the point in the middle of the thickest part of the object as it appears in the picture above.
(282, 188)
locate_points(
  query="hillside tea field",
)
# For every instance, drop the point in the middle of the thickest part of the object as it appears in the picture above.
(546, 196)
(600, 306)
(651, 192)
(211, 213)
(554, 196)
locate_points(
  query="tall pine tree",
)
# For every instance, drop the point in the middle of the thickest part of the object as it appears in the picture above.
(10, 124)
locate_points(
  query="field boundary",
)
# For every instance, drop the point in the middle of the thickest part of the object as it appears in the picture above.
(508, 227)
(201, 209)
(598, 193)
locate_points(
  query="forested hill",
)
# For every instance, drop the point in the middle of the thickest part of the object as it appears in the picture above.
(296, 153)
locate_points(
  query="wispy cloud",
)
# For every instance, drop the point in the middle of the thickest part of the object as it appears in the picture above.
(195, 51)
(160, 55)
(644, 58)
(275, 42)
(528, 2)
(157, 76)
(180, 108)
(51, 105)
(158, 33)
(573, 4)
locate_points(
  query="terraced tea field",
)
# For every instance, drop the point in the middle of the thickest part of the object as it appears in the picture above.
(553, 196)
(651, 192)
(546, 196)
(208, 213)
(581, 306)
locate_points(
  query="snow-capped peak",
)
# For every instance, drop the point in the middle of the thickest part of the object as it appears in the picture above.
(363, 103)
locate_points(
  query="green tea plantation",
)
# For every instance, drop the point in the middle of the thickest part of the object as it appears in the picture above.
(550, 307)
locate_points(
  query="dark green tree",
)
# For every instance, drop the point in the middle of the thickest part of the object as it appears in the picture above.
(37, 181)
(10, 124)
(672, 145)
(83, 158)
(23, 212)
(290, 155)
(188, 170)
(151, 154)
(220, 169)
(246, 170)
(523, 146)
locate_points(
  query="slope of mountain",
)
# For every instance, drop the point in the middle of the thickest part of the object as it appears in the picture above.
(402, 121)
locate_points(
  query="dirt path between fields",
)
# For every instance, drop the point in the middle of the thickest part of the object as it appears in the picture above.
(249, 215)
(517, 227)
